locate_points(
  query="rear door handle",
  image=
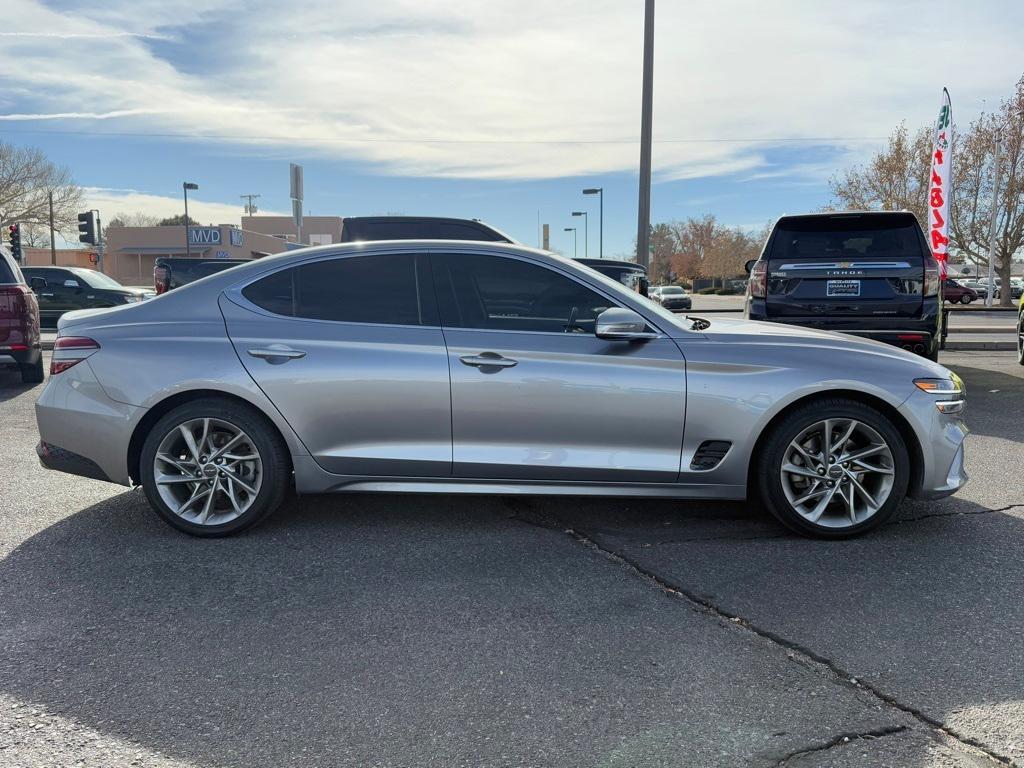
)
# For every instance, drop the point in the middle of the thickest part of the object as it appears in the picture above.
(276, 353)
(488, 360)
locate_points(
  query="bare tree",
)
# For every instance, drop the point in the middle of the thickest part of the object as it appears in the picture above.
(27, 178)
(895, 179)
(973, 176)
(136, 219)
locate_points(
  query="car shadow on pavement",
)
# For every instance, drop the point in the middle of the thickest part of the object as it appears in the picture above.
(995, 402)
(357, 629)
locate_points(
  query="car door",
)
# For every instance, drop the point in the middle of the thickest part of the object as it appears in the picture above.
(535, 394)
(349, 350)
(55, 298)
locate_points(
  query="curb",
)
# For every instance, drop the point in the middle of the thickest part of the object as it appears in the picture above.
(989, 345)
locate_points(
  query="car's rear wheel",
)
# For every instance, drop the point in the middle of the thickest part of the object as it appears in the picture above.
(965, 299)
(833, 469)
(32, 373)
(214, 467)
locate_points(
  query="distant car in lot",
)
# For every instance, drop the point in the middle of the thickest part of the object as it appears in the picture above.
(957, 292)
(448, 367)
(1016, 287)
(673, 298)
(977, 286)
(867, 273)
(19, 322)
(170, 272)
(357, 229)
(629, 273)
(63, 289)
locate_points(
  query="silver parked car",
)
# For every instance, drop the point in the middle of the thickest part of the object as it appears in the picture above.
(435, 366)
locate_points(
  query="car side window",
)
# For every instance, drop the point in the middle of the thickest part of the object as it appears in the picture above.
(391, 289)
(500, 293)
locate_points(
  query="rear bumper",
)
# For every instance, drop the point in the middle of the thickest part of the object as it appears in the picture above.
(62, 460)
(82, 430)
(19, 356)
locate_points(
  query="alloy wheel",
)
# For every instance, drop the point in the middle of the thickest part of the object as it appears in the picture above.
(837, 473)
(207, 471)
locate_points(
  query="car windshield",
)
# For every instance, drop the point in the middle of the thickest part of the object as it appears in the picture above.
(672, 290)
(97, 279)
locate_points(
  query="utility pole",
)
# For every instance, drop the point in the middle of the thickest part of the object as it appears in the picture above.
(53, 243)
(643, 226)
(250, 207)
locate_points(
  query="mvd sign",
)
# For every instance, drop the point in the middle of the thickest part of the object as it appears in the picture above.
(204, 236)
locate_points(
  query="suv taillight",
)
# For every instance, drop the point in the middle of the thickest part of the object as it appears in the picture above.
(17, 316)
(161, 278)
(759, 279)
(69, 351)
(931, 276)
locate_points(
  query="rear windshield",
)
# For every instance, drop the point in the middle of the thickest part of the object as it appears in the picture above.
(847, 239)
(418, 230)
(9, 272)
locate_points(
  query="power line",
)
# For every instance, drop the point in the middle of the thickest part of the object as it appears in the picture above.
(340, 140)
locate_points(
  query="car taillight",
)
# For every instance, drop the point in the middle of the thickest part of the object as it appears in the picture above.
(14, 303)
(759, 279)
(69, 351)
(161, 278)
(931, 277)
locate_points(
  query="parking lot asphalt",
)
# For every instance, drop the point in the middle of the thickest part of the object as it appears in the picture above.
(467, 631)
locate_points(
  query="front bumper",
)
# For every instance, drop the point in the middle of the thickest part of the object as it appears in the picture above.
(942, 439)
(678, 305)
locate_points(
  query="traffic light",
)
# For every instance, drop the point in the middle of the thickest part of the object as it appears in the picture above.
(15, 233)
(87, 229)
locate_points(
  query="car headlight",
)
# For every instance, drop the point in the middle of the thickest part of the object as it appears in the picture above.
(952, 392)
(132, 299)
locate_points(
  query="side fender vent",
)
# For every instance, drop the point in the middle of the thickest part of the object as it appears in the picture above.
(709, 454)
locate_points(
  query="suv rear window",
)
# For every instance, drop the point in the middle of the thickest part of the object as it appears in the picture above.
(9, 272)
(418, 230)
(847, 238)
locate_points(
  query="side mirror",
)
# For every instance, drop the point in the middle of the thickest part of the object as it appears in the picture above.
(620, 324)
(37, 283)
(750, 265)
(71, 284)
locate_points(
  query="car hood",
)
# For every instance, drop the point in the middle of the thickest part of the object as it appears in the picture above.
(742, 331)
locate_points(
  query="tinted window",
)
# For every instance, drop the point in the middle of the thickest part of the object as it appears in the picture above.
(382, 288)
(847, 238)
(500, 293)
(8, 270)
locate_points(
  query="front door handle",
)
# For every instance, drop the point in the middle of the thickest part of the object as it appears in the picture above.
(46, 295)
(276, 353)
(488, 360)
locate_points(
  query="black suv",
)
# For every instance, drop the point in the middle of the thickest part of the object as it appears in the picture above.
(865, 273)
(358, 228)
(62, 289)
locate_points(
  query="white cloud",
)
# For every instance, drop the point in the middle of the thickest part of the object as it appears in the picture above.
(513, 89)
(114, 201)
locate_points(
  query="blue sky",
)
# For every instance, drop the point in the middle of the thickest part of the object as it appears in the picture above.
(420, 108)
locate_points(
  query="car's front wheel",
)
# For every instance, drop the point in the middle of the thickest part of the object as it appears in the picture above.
(833, 469)
(214, 467)
(1020, 338)
(966, 299)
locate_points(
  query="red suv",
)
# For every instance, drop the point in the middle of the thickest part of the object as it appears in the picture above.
(955, 292)
(19, 322)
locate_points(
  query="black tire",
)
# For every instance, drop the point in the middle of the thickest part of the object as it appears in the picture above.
(1020, 338)
(965, 299)
(32, 373)
(768, 465)
(276, 463)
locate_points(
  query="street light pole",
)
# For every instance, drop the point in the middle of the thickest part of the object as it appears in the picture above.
(599, 191)
(643, 226)
(573, 230)
(586, 232)
(185, 187)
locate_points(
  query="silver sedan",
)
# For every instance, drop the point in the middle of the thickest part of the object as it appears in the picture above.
(455, 367)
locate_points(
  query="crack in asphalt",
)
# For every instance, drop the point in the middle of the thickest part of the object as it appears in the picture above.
(840, 740)
(956, 513)
(812, 658)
